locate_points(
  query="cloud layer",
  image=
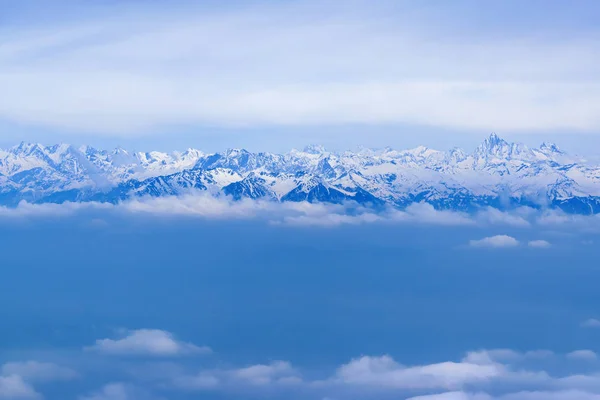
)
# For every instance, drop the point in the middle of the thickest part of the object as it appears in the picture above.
(201, 206)
(136, 69)
(17, 378)
(494, 374)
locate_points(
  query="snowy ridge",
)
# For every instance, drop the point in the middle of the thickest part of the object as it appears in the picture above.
(497, 173)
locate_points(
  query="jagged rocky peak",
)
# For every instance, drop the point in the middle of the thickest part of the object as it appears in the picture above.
(492, 145)
(496, 147)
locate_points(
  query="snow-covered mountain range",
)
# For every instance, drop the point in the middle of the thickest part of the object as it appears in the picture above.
(497, 173)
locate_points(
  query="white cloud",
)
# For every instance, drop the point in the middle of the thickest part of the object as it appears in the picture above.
(546, 395)
(498, 241)
(119, 391)
(330, 215)
(279, 373)
(588, 355)
(16, 378)
(488, 374)
(14, 387)
(453, 396)
(261, 374)
(199, 204)
(203, 205)
(384, 372)
(152, 342)
(484, 357)
(591, 323)
(539, 395)
(554, 218)
(34, 371)
(131, 72)
(517, 218)
(539, 244)
(587, 382)
(426, 213)
(25, 209)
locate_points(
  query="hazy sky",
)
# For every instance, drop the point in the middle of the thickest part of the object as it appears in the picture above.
(280, 74)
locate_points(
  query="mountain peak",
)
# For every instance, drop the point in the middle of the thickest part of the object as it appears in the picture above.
(235, 152)
(452, 179)
(548, 147)
(492, 145)
(26, 148)
(120, 150)
(494, 141)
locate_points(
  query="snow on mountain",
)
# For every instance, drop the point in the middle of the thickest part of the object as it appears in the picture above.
(497, 173)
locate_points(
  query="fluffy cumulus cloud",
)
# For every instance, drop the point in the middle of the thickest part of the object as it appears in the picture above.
(151, 342)
(15, 387)
(498, 241)
(385, 372)
(139, 68)
(501, 374)
(17, 378)
(487, 374)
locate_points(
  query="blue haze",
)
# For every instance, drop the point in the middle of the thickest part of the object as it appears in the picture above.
(255, 292)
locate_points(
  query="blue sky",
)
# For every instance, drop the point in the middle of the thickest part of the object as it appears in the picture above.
(274, 75)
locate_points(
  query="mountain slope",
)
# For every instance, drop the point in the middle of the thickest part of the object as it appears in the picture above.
(497, 173)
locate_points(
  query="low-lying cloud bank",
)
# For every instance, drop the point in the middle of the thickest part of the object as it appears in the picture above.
(204, 206)
(498, 374)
